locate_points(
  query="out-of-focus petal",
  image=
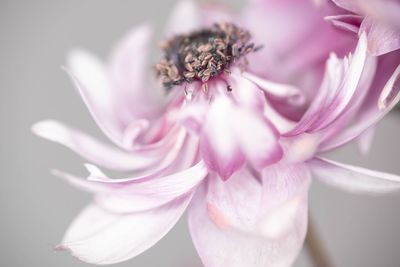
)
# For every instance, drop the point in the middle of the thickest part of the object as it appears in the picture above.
(135, 96)
(353, 179)
(300, 148)
(184, 18)
(385, 11)
(347, 22)
(235, 223)
(295, 52)
(233, 134)
(214, 12)
(281, 123)
(96, 151)
(382, 38)
(100, 237)
(364, 140)
(351, 5)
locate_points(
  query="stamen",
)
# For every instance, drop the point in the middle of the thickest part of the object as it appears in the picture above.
(203, 55)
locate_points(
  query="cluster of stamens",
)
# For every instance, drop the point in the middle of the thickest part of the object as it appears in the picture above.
(203, 54)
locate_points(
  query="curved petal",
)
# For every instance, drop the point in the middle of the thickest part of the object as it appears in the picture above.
(347, 22)
(91, 79)
(293, 94)
(339, 87)
(135, 97)
(100, 237)
(351, 5)
(333, 73)
(353, 179)
(294, 52)
(117, 95)
(233, 134)
(385, 11)
(137, 193)
(233, 225)
(97, 152)
(347, 86)
(364, 86)
(246, 93)
(152, 193)
(379, 103)
(382, 38)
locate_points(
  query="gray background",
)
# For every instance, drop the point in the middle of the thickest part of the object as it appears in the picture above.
(36, 208)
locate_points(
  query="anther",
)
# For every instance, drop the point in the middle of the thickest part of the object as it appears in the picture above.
(203, 55)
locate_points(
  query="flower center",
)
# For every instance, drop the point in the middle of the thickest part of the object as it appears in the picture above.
(203, 54)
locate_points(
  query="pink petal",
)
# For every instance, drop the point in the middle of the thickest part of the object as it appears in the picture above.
(365, 85)
(215, 12)
(218, 145)
(118, 95)
(348, 22)
(233, 134)
(245, 92)
(353, 179)
(347, 87)
(97, 152)
(152, 193)
(385, 11)
(135, 97)
(333, 72)
(378, 105)
(293, 94)
(99, 237)
(351, 5)
(300, 147)
(91, 79)
(339, 87)
(232, 225)
(294, 52)
(382, 38)
(137, 193)
(281, 123)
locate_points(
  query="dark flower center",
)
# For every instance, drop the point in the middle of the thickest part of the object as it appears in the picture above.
(203, 54)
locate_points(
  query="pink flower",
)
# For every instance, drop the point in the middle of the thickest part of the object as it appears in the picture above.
(235, 133)
(379, 19)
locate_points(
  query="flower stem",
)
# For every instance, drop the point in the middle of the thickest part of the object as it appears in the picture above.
(315, 248)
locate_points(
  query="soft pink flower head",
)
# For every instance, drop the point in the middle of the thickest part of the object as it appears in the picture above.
(232, 132)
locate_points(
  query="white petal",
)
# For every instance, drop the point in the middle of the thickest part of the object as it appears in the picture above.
(137, 193)
(91, 79)
(353, 179)
(99, 237)
(97, 152)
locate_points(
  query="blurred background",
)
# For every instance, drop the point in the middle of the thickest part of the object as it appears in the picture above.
(36, 208)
